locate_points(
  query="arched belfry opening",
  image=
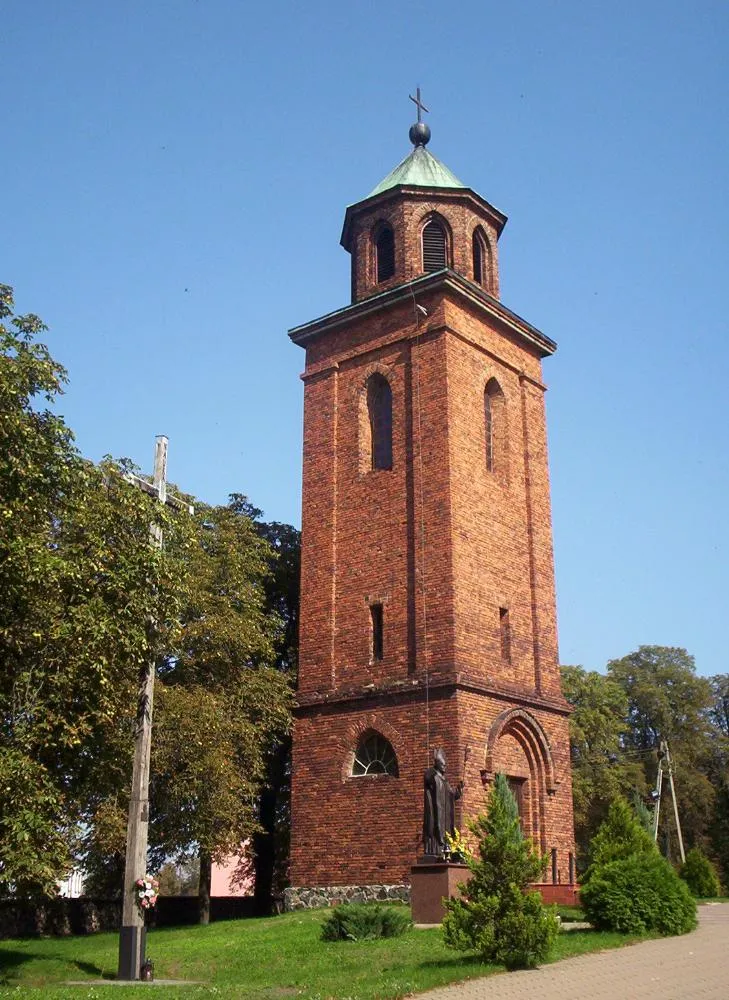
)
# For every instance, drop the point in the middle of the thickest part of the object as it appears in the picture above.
(435, 245)
(384, 244)
(480, 257)
(428, 615)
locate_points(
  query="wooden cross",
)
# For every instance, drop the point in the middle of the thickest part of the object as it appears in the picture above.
(132, 936)
(418, 103)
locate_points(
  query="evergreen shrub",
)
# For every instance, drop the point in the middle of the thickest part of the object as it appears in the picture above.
(629, 887)
(496, 914)
(636, 895)
(621, 835)
(364, 921)
(699, 874)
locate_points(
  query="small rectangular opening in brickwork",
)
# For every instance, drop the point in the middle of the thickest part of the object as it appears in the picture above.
(505, 634)
(378, 638)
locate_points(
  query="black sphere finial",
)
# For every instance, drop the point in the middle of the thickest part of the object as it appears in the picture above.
(419, 134)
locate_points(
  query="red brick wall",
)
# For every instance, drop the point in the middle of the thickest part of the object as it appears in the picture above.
(362, 830)
(461, 213)
(442, 543)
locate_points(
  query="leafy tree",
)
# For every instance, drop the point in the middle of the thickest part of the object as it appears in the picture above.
(600, 770)
(718, 772)
(170, 883)
(79, 590)
(190, 876)
(223, 706)
(719, 711)
(667, 701)
(496, 914)
(36, 846)
(85, 602)
(220, 705)
(271, 842)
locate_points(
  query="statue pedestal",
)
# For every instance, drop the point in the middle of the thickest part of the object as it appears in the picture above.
(430, 883)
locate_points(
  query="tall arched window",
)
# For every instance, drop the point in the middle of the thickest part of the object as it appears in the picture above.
(379, 411)
(495, 427)
(374, 755)
(480, 256)
(435, 247)
(385, 252)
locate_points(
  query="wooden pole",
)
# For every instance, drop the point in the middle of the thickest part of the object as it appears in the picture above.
(675, 804)
(659, 789)
(133, 934)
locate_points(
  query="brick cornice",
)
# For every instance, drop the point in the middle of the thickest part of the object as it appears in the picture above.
(445, 280)
(438, 685)
(407, 191)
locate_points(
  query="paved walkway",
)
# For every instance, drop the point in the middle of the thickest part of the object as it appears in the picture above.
(691, 967)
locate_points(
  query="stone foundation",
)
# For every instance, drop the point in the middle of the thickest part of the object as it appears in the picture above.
(311, 897)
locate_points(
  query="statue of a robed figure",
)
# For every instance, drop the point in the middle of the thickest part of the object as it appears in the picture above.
(439, 812)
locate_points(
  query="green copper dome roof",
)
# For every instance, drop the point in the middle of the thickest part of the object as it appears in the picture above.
(419, 169)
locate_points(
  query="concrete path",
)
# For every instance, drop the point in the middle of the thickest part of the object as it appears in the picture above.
(691, 967)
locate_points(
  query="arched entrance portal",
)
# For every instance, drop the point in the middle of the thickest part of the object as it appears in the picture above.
(518, 747)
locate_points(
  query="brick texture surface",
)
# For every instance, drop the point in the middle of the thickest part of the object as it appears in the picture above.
(443, 543)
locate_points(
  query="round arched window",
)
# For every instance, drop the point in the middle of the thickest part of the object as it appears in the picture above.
(374, 755)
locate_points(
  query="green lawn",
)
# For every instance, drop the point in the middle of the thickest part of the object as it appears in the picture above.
(267, 959)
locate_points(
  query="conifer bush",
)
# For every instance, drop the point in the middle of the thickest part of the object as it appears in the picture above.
(636, 895)
(629, 887)
(621, 835)
(364, 921)
(497, 915)
(699, 874)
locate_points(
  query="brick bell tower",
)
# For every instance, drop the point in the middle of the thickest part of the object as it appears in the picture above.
(427, 584)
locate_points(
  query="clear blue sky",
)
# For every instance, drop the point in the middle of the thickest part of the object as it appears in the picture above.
(174, 177)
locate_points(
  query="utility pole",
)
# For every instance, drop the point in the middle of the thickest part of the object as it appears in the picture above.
(664, 758)
(133, 933)
(675, 803)
(657, 795)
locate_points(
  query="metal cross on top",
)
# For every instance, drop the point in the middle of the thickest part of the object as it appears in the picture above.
(418, 103)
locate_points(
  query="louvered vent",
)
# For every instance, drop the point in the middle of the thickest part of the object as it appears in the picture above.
(385, 247)
(434, 247)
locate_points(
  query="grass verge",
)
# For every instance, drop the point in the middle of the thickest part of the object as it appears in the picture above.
(266, 959)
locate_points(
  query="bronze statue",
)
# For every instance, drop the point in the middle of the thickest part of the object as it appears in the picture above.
(439, 815)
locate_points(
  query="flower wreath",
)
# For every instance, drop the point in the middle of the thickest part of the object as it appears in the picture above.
(146, 889)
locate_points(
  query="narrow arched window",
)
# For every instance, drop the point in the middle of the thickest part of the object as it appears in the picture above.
(374, 755)
(435, 256)
(495, 426)
(385, 253)
(379, 411)
(479, 257)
